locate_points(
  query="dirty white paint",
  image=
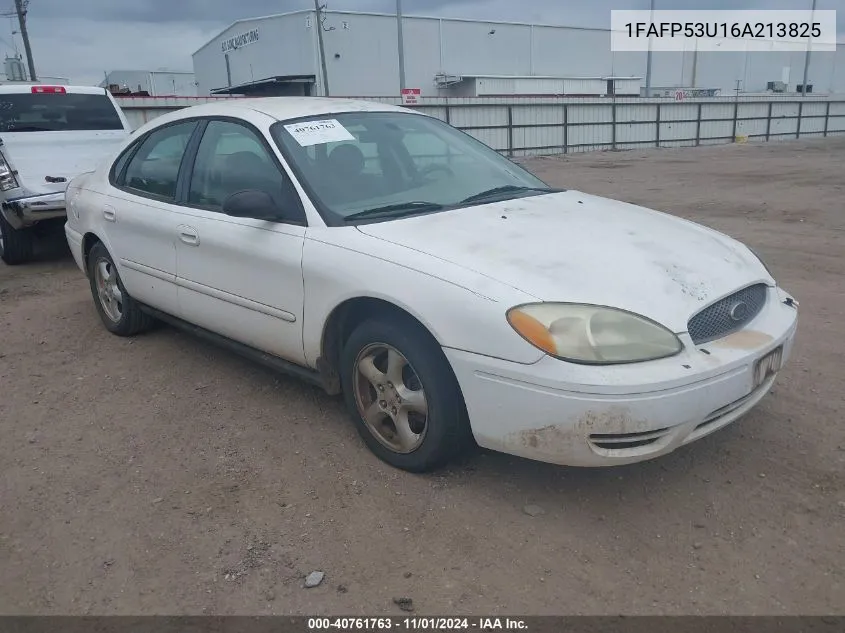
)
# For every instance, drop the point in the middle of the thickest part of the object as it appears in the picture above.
(274, 286)
(36, 155)
(579, 248)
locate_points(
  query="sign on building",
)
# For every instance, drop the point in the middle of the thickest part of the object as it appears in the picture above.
(243, 39)
(411, 96)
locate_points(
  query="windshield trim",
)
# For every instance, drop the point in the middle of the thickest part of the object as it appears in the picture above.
(334, 219)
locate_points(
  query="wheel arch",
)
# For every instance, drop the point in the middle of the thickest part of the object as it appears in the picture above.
(89, 239)
(344, 318)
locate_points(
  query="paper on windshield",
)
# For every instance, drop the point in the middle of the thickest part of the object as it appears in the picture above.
(308, 133)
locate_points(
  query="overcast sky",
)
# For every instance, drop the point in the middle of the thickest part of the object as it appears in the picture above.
(81, 39)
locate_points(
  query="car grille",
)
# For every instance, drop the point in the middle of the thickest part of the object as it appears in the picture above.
(727, 315)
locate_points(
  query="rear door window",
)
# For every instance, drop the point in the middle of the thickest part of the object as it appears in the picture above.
(154, 169)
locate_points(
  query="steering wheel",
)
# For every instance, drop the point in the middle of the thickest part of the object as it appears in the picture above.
(430, 169)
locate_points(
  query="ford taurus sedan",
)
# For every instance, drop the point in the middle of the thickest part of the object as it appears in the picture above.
(448, 294)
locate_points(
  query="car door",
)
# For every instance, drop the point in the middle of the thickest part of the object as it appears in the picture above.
(140, 219)
(241, 277)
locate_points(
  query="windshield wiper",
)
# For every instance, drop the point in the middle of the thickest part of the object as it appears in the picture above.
(498, 192)
(396, 210)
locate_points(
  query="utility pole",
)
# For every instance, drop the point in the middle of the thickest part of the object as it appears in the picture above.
(648, 58)
(401, 45)
(807, 56)
(695, 63)
(20, 7)
(319, 27)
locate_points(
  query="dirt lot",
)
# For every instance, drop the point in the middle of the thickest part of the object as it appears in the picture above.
(163, 475)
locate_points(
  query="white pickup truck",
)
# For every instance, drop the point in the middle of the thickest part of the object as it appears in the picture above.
(48, 136)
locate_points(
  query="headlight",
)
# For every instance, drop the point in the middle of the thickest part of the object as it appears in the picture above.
(592, 335)
(7, 178)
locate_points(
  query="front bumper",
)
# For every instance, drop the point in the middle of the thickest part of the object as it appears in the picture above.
(578, 415)
(24, 212)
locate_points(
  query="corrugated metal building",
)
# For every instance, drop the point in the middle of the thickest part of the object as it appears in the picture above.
(279, 54)
(156, 83)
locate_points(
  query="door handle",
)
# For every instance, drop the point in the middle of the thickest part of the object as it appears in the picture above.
(189, 235)
(109, 214)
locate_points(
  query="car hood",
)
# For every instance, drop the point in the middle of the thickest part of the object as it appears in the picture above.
(64, 154)
(574, 247)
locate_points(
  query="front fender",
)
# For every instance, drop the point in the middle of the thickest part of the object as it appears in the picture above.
(461, 309)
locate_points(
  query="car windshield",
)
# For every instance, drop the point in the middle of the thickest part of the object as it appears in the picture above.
(51, 112)
(359, 165)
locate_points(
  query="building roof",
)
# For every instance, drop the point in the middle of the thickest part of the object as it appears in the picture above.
(558, 77)
(152, 72)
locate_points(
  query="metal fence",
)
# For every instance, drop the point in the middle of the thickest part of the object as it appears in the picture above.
(528, 126)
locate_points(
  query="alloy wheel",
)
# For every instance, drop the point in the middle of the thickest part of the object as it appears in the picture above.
(390, 398)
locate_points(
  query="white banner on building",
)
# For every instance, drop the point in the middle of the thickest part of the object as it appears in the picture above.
(747, 30)
(240, 40)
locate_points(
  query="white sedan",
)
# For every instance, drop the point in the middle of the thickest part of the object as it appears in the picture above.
(449, 294)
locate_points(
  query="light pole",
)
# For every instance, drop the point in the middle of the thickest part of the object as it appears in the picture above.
(319, 27)
(20, 8)
(807, 56)
(648, 58)
(401, 44)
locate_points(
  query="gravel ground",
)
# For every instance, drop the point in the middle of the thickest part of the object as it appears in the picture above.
(162, 475)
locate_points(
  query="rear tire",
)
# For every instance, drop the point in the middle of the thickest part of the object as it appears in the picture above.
(16, 245)
(403, 396)
(119, 312)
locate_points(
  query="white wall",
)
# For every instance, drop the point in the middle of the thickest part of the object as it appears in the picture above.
(157, 83)
(368, 62)
(173, 84)
(132, 79)
(284, 47)
(422, 53)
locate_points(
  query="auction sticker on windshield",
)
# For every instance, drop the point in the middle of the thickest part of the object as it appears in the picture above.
(309, 133)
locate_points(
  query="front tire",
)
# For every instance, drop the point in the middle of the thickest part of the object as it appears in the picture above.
(119, 312)
(16, 245)
(403, 396)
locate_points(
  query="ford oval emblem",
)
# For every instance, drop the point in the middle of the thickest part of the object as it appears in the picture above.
(739, 311)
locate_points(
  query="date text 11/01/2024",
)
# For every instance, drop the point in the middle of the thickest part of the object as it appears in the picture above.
(417, 624)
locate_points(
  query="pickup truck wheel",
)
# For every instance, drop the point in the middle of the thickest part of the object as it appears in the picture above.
(119, 312)
(15, 245)
(403, 396)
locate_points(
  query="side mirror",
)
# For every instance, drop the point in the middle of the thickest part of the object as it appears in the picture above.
(252, 203)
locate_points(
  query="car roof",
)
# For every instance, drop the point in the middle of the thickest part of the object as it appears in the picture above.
(279, 108)
(26, 88)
